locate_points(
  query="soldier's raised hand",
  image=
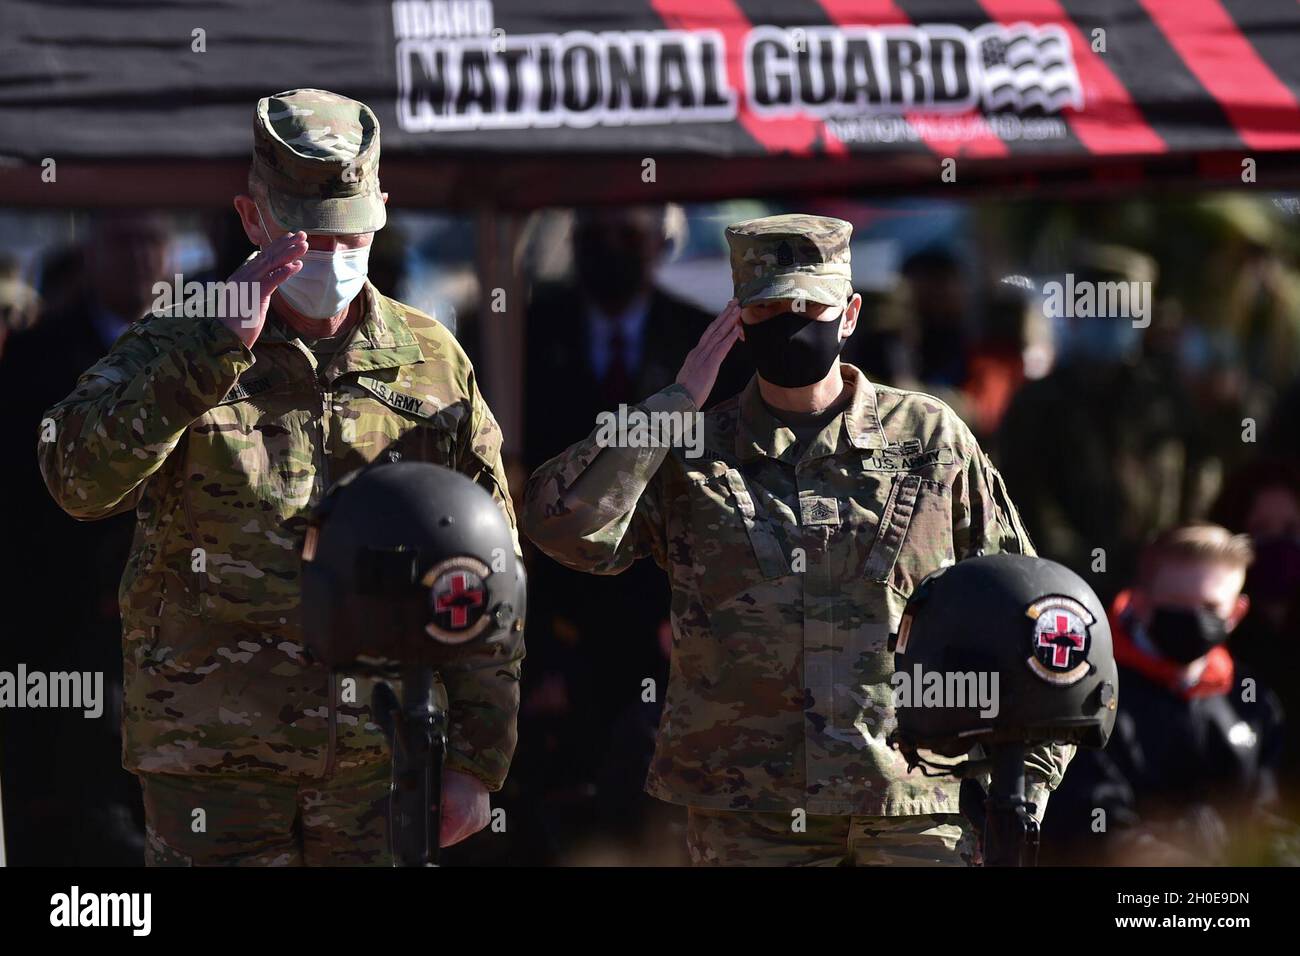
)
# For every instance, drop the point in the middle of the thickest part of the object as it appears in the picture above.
(277, 262)
(700, 370)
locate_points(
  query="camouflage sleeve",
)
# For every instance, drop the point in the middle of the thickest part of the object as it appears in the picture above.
(1044, 771)
(985, 521)
(595, 507)
(129, 410)
(483, 689)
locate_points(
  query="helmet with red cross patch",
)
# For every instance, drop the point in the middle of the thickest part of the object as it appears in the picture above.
(407, 564)
(1002, 649)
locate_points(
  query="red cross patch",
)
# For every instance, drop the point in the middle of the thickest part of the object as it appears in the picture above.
(1060, 642)
(458, 595)
(458, 599)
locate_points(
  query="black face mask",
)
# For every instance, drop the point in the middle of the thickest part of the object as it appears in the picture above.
(1184, 635)
(793, 349)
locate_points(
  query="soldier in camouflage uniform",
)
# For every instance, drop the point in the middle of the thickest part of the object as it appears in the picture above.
(222, 432)
(791, 544)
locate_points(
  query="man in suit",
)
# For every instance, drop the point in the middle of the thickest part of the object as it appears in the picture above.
(610, 336)
(70, 804)
(611, 332)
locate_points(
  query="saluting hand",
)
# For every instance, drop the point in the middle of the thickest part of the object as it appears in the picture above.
(270, 267)
(700, 370)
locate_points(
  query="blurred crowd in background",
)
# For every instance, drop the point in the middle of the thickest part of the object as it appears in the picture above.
(1119, 443)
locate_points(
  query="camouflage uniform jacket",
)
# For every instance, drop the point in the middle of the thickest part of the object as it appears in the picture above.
(223, 452)
(788, 572)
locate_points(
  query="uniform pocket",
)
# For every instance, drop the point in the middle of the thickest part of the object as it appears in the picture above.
(374, 418)
(928, 545)
(895, 521)
(177, 642)
(252, 455)
(736, 546)
(914, 537)
(915, 533)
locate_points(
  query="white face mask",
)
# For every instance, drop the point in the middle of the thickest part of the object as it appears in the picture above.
(327, 281)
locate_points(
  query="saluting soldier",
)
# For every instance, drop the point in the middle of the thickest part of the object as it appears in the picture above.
(792, 543)
(223, 430)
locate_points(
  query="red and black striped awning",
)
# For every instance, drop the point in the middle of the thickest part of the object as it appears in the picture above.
(524, 102)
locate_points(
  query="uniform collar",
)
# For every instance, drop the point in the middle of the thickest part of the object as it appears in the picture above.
(381, 340)
(761, 434)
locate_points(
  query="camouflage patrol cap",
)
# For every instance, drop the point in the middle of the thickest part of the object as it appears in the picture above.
(318, 155)
(791, 257)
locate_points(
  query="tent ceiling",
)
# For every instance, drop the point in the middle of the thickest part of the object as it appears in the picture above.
(518, 104)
